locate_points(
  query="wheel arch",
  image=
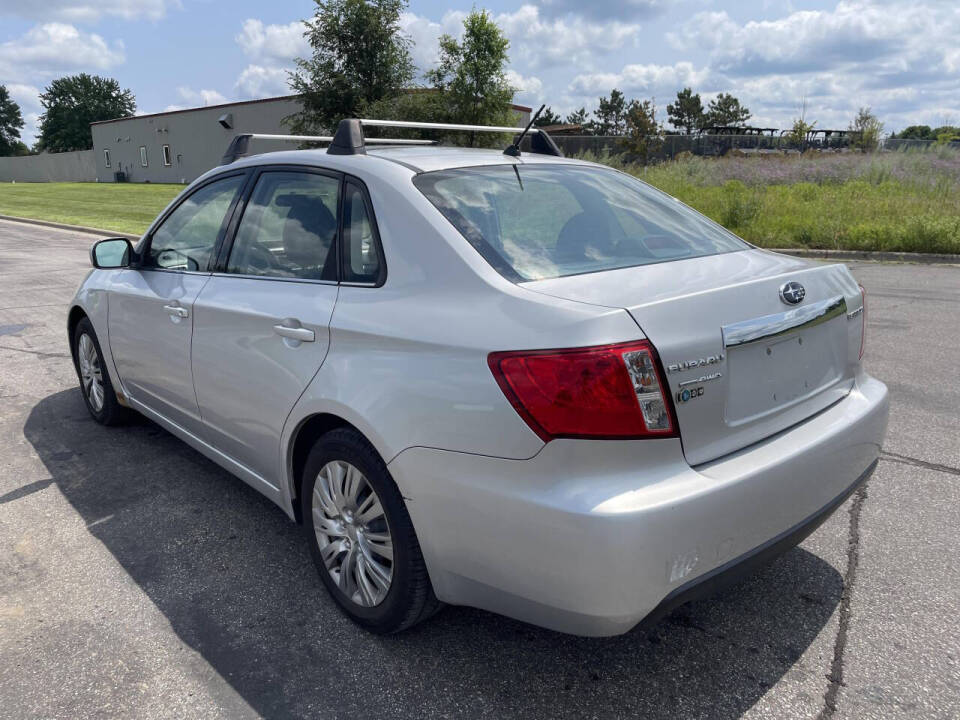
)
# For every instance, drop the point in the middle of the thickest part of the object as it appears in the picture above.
(308, 431)
(74, 317)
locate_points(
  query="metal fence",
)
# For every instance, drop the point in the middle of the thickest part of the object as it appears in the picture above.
(717, 145)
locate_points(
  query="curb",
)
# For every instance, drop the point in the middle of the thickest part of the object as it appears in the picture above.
(75, 228)
(871, 256)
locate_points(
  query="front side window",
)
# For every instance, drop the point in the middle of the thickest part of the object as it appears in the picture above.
(532, 222)
(186, 238)
(361, 249)
(289, 228)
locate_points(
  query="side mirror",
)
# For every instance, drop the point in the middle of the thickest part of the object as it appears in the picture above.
(111, 253)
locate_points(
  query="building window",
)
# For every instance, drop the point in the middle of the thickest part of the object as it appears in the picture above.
(166, 155)
(143, 156)
(106, 158)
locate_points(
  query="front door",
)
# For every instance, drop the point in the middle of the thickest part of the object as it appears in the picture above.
(151, 306)
(261, 325)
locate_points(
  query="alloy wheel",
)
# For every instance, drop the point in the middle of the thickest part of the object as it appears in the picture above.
(352, 533)
(91, 374)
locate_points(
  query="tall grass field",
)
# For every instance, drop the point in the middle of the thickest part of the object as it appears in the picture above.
(897, 201)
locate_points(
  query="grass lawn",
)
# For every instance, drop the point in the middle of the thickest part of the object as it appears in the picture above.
(906, 202)
(887, 201)
(124, 207)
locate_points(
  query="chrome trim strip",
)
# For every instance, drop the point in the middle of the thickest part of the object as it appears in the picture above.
(854, 313)
(770, 326)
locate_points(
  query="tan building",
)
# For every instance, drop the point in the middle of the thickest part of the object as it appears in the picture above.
(180, 145)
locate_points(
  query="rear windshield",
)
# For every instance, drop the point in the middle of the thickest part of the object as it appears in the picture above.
(532, 222)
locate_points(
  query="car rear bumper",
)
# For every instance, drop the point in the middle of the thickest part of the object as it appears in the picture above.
(591, 537)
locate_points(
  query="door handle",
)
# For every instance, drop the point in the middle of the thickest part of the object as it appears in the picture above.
(294, 332)
(177, 310)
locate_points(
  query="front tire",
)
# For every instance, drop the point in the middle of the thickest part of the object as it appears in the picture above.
(95, 385)
(361, 537)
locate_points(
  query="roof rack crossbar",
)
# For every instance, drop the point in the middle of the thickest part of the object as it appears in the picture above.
(350, 139)
(443, 126)
(240, 145)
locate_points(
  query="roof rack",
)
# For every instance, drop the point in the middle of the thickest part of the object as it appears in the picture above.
(240, 145)
(350, 140)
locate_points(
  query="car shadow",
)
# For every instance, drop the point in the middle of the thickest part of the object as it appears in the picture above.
(233, 576)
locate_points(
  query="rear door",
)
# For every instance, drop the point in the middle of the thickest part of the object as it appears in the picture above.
(151, 306)
(262, 321)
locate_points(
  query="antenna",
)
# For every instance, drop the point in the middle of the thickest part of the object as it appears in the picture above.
(514, 150)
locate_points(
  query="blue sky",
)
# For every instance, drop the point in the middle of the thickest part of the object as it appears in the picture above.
(901, 58)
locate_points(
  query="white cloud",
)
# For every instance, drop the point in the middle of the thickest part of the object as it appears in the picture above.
(257, 81)
(855, 31)
(531, 84)
(45, 52)
(607, 9)
(85, 12)
(643, 80)
(425, 34)
(271, 50)
(538, 41)
(28, 98)
(529, 89)
(55, 48)
(535, 39)
(193, 98)
(280, 43)
(897, 56)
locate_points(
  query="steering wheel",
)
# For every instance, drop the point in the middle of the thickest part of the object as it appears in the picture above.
(260, 259)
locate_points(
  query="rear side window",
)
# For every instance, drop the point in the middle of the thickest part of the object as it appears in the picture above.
(532, 222)
(186, 238)
(289, 228)
(361, 247)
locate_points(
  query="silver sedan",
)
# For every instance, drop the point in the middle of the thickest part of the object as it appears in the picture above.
(519, 382)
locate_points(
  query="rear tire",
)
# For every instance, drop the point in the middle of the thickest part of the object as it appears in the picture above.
(95, 385)
(361, 537)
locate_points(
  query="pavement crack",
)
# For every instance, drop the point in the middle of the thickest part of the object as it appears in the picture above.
(835, 677)
(907, 460)
(34, 352)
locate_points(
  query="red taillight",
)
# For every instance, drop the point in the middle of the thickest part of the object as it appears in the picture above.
(609, 391)
(863, 319)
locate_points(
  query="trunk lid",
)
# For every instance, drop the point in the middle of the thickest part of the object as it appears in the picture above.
(741, 363)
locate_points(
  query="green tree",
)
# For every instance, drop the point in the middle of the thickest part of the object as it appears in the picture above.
(687, 112)
(71, 103)
(414, 105)
(867, 130)
(610, 115)
(360, 56)
(644, 135)
(548, 117)
(801, 127)
(470, 74)
(917, 132)
(946, 134)
(580, 117)
(726, 111)
(798, 132)
(10, 123)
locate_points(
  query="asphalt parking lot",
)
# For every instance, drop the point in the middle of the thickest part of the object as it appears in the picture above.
(139, 579)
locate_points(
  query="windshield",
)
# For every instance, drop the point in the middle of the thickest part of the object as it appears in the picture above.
(532, 222)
